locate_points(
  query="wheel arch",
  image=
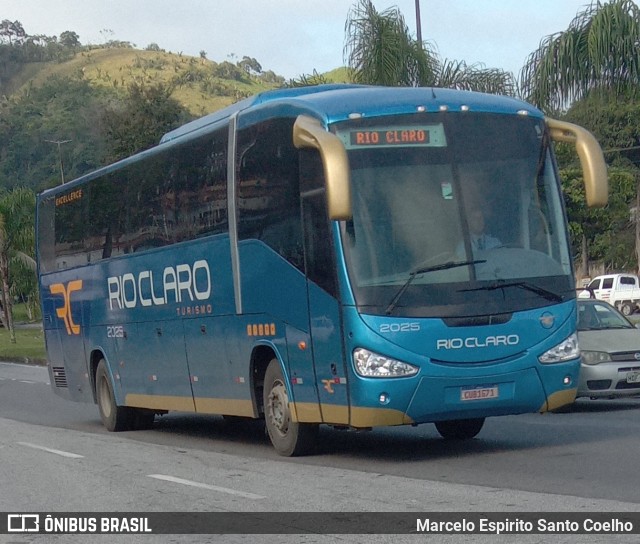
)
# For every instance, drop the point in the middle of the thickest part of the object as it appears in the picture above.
(97, 354)
(261, 355)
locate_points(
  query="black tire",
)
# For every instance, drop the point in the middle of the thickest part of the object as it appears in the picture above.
(115, 418)
(288, 437)
(141, 419)
(460, 429)
(626, 308)
(236, 420)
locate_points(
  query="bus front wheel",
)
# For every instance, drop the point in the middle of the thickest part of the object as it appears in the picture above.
(460, 429)
(288, 437)
(114, 417)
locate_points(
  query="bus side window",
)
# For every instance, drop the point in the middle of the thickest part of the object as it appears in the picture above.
(70, 231)
(46, 234)
(200, 186)
(319, 261)
(108, 209)
(268, 188)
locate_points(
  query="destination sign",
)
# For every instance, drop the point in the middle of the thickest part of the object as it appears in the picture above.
(394, 136)
(389, 137)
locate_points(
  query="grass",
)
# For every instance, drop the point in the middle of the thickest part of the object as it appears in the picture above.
(29, 346)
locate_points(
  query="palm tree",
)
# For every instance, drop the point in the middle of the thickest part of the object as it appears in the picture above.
(380, 51)
(599, 51)
(16, 241)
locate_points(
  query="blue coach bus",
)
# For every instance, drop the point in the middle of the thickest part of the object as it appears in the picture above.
(310, 256)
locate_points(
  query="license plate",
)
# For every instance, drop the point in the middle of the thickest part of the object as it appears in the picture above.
(481, 393)
(633, 377)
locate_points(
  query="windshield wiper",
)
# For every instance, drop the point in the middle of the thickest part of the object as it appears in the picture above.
(549, 295)
(424, 270)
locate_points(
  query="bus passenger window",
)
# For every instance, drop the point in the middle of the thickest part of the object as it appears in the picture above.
(70, 230)
(268, 189)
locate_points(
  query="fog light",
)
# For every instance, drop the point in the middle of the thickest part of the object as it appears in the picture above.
(567, 380)
(384, 398)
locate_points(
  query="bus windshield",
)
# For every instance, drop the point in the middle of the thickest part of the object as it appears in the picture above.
(454, 214)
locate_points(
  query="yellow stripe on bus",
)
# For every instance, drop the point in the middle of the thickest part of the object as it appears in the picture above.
(160, 402)
(303, 412)
(559, 399)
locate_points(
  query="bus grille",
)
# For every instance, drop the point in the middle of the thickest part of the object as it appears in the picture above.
(59, 376)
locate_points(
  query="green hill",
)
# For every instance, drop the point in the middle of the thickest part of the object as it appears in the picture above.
(200, 85)
(108, 102)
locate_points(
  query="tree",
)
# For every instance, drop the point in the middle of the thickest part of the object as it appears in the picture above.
(250, 65)
(60, 109)
(226, 70)
(12, 31)
(614, 119)
(593, 68)
(602, 234)
(69, 39)
(308, 80)
(139, 121)
(381, 51)
(599, 51)
(17, 211)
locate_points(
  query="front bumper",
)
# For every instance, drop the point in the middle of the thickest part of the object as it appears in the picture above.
(606, 380)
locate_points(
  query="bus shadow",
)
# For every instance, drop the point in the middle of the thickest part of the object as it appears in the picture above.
(233, 430)
(397, 444)
(585, 406)
(394, 444)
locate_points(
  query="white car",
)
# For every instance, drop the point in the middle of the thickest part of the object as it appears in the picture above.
(610, 352)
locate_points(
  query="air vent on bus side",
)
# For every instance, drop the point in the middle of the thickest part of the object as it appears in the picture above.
(59, 376)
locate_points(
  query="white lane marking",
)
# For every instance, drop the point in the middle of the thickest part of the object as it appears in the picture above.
(51, 450)
(173, 479)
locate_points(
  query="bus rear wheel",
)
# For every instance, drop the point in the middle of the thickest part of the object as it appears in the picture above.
(460, 429)
(114, 418)
(288, 437)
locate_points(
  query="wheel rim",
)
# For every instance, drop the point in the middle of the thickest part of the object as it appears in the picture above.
(105, 397)
(278, 408)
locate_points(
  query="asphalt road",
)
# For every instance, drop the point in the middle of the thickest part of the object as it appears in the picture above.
(583, 460)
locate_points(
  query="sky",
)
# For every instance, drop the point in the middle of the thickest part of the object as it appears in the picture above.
(295, 37)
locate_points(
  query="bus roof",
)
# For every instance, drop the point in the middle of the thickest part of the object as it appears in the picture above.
(338, 102)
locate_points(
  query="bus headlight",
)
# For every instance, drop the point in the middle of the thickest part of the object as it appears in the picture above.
(373, 365)
(566, 350)
(595, 357)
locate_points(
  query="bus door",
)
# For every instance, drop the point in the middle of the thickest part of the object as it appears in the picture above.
(322, 294)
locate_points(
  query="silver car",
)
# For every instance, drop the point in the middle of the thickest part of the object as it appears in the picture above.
(610, 351)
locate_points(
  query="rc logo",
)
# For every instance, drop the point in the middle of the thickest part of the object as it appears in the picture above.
(64, 313)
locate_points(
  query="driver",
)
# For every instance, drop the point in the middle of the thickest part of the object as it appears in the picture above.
(480, 238)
